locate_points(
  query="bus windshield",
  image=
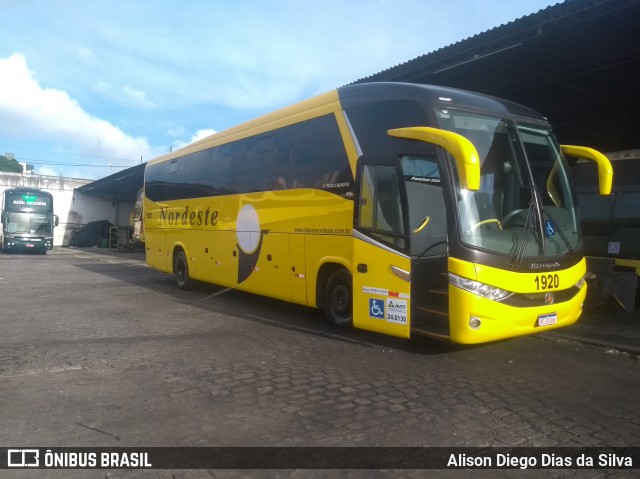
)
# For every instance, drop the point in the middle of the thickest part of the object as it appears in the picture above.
(525, 206)
(30, 223)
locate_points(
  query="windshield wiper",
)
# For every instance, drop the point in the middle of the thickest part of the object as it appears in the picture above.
(565, 240)
(524, 241)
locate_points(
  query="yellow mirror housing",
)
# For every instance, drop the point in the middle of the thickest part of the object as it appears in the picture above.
(605, 171)
(462, 150)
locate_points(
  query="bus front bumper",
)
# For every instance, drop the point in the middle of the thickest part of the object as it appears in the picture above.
(27, 243)
(474, 319)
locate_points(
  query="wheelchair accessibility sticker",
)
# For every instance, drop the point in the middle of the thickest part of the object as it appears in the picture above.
(390, 309)
(376, 308)
(550, 230)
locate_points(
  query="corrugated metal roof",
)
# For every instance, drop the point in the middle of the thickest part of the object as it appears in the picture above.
(444, 50)
(575, 62)
(121, 186)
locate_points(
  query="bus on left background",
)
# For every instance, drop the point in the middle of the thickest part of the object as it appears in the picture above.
(26, 220)
(136, 220)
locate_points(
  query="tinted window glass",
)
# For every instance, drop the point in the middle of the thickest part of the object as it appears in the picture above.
(306, 155)
(176, 187)
(263, 162)
(371, 122)
(196, 177)
(425, 200)
(222, 170)
(155, 181)
(318, 157)
(178, 178)
(380, 204)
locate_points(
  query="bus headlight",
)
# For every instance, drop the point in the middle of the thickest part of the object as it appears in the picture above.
(481, 289)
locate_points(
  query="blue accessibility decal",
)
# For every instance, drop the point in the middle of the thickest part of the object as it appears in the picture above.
(549, 228)
(376, 308)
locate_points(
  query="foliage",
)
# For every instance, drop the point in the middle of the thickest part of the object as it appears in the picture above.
(10, 165)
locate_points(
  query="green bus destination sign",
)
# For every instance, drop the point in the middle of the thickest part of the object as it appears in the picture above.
(29, 200)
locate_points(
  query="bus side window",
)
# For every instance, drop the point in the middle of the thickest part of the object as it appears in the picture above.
(380, 205)
(196, 178)
(425, 199)
(223, 170)
(263, 165)
(156, 182)
(318, 157)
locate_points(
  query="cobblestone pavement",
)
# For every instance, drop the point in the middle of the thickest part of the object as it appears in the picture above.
(99, 350)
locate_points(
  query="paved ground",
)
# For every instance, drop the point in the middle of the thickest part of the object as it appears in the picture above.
(100, 350)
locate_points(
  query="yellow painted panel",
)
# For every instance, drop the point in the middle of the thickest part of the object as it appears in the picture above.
(214, 254)
(156, 254)
(270, 276)
(500, 321)
(210, 230)
(298, 271)
(514, 281)
(321, 250)
(529, 282)
(634, 263)
(462, 268)
(381, 298)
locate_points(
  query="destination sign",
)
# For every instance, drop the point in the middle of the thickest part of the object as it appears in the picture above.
(27, 202)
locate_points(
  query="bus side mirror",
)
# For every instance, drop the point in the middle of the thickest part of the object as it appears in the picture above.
(2, 218)
(605, 171)
(55, 220)
(463, 151)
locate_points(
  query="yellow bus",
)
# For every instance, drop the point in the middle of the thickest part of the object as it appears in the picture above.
(398, 208)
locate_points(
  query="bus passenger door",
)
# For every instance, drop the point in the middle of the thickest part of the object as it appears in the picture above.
(382, 271)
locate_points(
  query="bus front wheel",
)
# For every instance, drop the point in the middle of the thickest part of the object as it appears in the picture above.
(338, 299)
(181, 270)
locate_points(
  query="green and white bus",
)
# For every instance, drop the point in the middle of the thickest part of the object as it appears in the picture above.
(27, 220)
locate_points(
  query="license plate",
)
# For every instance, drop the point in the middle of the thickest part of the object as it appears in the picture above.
(28, 246)
(547, 320)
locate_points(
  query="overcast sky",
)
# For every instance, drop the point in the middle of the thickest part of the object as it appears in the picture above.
(88, 88)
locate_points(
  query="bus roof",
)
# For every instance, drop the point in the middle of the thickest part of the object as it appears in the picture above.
(26, 190)
(318, 105)
(351, 95)
(433, 94)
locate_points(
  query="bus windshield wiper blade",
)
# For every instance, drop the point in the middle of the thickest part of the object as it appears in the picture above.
(565, 240)
(524, 241)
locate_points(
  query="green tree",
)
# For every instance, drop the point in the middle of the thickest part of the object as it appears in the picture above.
(10, 165)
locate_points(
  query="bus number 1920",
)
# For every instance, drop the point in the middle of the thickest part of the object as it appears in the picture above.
(547, 281)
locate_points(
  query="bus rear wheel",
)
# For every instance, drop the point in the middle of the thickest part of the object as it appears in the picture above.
(181, 270)
(338, 299)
